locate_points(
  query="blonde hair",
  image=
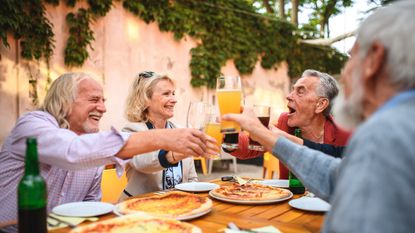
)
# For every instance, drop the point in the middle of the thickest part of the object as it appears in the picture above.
(140, 93)
(61, 95)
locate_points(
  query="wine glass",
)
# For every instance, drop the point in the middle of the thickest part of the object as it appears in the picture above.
(201, 116)
(263, 113)
(197, 115)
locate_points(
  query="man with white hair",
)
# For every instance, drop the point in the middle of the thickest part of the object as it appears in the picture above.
(309, 103)
(372, 188)
(71, 150)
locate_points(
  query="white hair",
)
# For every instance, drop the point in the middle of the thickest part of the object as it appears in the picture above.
(61, 95)
(327, 88)
(394, 27)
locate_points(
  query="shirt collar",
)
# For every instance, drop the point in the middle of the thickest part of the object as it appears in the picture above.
(397, 99)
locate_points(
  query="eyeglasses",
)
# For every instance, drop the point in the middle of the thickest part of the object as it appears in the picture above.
(146, 74)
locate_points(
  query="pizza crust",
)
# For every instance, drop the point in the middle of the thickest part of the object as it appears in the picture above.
(173, 204)
(250, 192)
(138, 223)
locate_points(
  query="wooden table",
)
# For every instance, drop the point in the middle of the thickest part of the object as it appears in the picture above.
(280, 215)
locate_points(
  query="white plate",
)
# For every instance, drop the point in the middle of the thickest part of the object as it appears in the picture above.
(83, 209)
(250, 202)
(310, 204)
(117, 212)
(275, 183)
(196, 186)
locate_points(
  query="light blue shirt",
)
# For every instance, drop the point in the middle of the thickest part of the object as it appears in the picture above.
(372, 189)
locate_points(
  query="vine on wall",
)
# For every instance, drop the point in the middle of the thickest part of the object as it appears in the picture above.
(27, 22)
(226, 29)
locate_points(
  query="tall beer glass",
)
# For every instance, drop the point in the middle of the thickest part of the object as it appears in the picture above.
(229, 95)
(213, 129)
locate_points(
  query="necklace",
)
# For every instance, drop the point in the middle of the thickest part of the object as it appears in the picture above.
(314, 136)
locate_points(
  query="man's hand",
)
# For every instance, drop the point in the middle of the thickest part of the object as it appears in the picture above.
(189, 142)
(277, 132)
(184, 141)
(250, 122)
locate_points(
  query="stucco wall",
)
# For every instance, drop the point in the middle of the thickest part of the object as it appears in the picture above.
(124, 45)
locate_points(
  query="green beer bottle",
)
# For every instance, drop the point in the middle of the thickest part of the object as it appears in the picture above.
(295, 184)
(31, 194)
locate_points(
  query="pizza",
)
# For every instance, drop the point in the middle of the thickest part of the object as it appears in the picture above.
(250, 192)
(138, 223)
(173, 204)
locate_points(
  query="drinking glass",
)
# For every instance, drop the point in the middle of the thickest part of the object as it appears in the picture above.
(213, 129)
(197, 115)
(201, 116)
(229, 95)
(263, 113)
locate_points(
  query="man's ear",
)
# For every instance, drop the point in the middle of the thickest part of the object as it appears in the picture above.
(321, 105)
(373, 62)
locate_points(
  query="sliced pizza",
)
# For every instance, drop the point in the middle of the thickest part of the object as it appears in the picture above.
(174, 204)
(250, 192)
(138, 223)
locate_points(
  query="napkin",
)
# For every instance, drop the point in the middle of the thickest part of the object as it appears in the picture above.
(73, 220)
(266, 229)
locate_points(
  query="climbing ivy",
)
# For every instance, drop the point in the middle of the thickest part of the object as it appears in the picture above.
(27, 22)
(226, 30)
(233, 30)
(80, 37)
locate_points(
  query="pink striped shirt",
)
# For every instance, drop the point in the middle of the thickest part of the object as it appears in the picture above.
(71, 164)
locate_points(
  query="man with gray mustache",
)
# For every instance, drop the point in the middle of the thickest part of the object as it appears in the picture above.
(372, 188)
(72, 152)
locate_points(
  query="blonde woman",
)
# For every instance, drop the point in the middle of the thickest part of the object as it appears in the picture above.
(150, 105)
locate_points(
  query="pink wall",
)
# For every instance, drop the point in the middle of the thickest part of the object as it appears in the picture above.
(124, 45)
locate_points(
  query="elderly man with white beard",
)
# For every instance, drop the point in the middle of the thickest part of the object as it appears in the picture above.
(372, 188)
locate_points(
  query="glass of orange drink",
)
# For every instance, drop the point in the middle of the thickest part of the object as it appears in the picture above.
(229, 96)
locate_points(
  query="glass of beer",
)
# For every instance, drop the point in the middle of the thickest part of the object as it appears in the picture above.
(213, 129)
(263, 113)
(229, 96)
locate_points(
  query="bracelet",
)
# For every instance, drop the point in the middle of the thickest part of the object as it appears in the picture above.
(172, 155)
(164, 162)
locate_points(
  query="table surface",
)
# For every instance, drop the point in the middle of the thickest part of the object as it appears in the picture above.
(280, 215)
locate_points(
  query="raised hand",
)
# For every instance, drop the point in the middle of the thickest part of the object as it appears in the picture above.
(257, 131)
(189, 141)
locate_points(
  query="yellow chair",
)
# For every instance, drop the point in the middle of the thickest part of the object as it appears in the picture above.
(270, 167)
(202, 163)
(112, 186)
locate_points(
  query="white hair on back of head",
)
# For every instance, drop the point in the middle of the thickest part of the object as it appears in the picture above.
(394, 27)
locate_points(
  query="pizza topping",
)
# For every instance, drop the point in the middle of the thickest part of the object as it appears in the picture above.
(250, 192)
(172, 204)
(138, 223)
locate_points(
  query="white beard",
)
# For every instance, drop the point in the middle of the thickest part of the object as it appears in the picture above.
(349, 112)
